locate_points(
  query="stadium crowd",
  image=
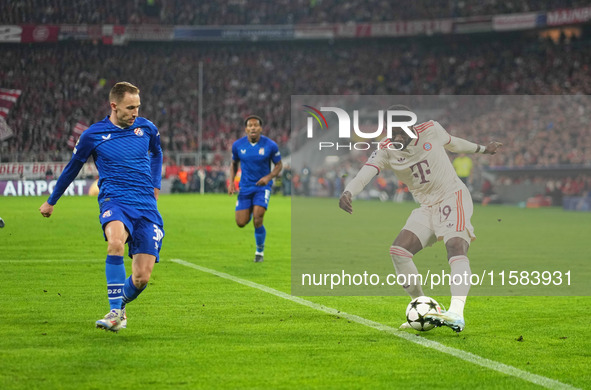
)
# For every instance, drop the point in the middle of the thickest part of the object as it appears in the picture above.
(266, 12)
(66, 83)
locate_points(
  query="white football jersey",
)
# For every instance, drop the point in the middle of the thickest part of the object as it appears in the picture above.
(423, 165)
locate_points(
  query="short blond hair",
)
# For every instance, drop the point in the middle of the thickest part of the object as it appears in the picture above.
(119, 89)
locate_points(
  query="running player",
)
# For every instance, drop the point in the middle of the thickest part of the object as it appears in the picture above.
(254, 153)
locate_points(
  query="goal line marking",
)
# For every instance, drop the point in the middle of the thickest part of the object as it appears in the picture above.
(467, 356)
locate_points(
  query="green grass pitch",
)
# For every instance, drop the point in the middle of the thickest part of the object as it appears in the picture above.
(192, 329)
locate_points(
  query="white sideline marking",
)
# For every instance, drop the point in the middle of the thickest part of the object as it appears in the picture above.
(467, 356)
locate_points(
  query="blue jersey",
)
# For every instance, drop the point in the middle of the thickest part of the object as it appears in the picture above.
(255, 160)
(129, 161)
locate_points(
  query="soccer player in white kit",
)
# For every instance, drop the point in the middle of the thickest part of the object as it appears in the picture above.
(445, 205)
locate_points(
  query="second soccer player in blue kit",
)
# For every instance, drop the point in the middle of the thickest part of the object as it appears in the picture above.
(254, 153)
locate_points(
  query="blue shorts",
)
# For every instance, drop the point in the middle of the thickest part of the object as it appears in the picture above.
(253, 196)
(144, 227)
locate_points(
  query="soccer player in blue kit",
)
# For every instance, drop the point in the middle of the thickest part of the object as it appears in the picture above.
(127, 153)
(254, 153)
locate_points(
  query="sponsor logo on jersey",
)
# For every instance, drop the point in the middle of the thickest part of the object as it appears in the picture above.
(107, 137)
(427, 146)
(243, 151)
(139, 132)
(107, 214)
(262, 151)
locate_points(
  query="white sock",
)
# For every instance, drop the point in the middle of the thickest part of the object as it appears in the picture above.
(457, 305)
(404, 265)
(460, 266)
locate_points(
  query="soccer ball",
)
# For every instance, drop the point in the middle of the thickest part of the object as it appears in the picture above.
(418, 308)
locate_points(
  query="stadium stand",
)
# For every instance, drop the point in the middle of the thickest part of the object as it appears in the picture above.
(65, 83)
(268, 12)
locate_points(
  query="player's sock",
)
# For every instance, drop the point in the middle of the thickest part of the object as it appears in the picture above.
(115, 271)
(404, 265)
(460, 266)
(130, 291)
(259, 235)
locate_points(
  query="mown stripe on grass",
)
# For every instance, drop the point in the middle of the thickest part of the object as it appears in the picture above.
(467, 356)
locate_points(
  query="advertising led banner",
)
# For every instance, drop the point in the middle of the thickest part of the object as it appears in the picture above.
(38, 170)
(416, 27)
(233, 33)
(568, 16)
(516, 21)
(41, 187)
(39, 33)
(313, 31)
(80, 32)
(149, 33)
(473, 25)
(10, 33)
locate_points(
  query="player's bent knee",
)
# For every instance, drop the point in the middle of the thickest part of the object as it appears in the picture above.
(456, 247)
(116, 247)
(141, 281)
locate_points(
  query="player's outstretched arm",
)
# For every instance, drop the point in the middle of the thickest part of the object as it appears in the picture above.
(460, 145)
(66, 178)
(46, 210)
(346, 202)
(355, 186)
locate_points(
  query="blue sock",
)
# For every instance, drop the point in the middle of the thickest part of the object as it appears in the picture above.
(130, 291)
(115, 271)
(259, 235)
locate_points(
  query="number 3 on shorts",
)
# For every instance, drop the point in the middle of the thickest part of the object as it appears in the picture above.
(267, 196)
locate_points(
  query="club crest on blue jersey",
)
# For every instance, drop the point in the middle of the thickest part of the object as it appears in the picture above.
(427, 146)
(139, 132)
(262, 151)
(107, 214)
